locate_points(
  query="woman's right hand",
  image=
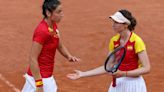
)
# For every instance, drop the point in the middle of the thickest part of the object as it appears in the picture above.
(76, 75)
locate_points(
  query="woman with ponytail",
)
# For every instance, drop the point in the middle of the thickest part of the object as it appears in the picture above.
(46, 40)
(136, 61)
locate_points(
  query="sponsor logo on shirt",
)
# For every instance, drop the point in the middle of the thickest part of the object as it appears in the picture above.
(116, 45)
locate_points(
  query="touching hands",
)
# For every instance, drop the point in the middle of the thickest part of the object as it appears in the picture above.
(76, 75)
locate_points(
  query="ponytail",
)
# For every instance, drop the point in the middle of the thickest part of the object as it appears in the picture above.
(49, 5)
(130, 17)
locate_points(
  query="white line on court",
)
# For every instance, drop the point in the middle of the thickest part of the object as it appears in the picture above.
(9, 83)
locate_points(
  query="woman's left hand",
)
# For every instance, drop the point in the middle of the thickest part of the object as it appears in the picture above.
(73, 59)
(119, 73)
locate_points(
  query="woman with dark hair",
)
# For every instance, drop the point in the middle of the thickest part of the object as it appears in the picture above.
(136, 61)
(46, 39)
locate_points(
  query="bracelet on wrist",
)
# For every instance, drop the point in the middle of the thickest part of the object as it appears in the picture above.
(39, 83)
(126, 73)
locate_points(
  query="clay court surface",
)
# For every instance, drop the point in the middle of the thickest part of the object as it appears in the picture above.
(85, 30)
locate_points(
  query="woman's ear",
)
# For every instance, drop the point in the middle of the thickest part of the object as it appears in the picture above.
(126, 26)
(48, 13)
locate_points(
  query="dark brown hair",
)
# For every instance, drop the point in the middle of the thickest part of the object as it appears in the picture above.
(130, 17)
(49, 5)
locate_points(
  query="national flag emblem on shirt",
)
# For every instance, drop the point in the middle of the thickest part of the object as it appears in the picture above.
(130, 47)
(54, 33)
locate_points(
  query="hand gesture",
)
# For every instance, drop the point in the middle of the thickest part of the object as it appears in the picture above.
(73, 59)
(75, 75)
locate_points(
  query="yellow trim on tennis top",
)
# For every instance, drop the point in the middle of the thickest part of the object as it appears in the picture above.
(139, 44)
(111, 43)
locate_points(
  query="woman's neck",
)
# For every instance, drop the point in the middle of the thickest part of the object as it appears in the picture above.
(49, 22)
(124, 36)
